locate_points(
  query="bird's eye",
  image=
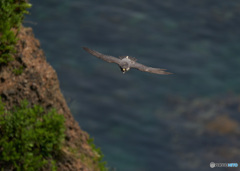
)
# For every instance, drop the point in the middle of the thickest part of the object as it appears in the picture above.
(123, 69)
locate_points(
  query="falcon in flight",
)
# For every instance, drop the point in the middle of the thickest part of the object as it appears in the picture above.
(126, 62)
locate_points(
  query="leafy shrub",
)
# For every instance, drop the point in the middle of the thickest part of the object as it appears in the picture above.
(99, 156)
(29, 138)
(12, 13)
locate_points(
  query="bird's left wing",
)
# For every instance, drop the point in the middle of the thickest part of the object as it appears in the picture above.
(106, 58)
(149, 69)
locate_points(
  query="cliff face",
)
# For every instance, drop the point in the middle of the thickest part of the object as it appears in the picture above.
(38, 83)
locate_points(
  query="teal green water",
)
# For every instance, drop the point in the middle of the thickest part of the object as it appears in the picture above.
(196, 40)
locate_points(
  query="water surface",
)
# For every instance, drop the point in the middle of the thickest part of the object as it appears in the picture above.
(128, 115)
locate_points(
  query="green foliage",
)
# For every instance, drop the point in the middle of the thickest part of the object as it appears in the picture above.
(99, 155)
(11, 16)
(18, 71)
(29, 138)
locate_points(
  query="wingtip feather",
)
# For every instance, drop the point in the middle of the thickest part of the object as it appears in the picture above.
(85, 48)
(169, 73)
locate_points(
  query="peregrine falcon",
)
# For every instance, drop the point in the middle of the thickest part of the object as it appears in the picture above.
(126, 62)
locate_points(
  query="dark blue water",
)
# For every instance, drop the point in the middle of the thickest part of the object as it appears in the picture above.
(126, 114)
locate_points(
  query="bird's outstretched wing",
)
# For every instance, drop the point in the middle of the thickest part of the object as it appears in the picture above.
(110, 59)
(149, 69)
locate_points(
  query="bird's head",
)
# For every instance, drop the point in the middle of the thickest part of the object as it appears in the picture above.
(124, 66)
(124, 70)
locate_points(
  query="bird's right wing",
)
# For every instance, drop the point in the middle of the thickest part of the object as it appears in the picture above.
(144, 68)
(106, 58)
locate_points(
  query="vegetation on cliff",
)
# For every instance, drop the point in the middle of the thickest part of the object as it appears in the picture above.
(29, 137)
(33, 134)
(12, 13)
